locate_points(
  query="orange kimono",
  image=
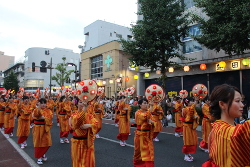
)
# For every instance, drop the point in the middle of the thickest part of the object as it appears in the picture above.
(99, 113)
(143, 143)
(117, 112)
(190, 124)
(2, 109)
(9, 121)
(156, 116)
(41, 131)
(23, 128)
(82, 143)
(206, 126)
(178, 122)
(229, 146)
(124, 121)
(63, 116)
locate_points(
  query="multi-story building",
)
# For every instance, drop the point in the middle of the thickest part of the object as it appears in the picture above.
(42, 58)
(235, 72)
(18, 69)
(101, 32)
(6, 61)
(103, 58)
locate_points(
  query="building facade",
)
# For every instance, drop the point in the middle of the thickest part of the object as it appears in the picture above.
(235, 72)
(42, 58)
(18, 69)
(6, 61)
(108, 65)
(101, 32)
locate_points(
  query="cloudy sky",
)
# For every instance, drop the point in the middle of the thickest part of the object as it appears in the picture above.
(56, 23)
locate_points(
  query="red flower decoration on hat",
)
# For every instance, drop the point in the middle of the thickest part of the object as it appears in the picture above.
(200, 92)
(154, 93)
(85, 89)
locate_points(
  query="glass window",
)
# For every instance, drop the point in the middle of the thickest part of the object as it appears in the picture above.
(190, 45)
(96, 67)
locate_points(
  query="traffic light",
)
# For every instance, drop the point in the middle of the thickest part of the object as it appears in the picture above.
(33, 67)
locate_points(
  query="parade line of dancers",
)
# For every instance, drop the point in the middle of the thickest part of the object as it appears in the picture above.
(227, 143)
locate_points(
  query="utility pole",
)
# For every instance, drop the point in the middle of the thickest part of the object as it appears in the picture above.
(50, 67)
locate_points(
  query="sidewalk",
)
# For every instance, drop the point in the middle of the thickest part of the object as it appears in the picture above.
(11, 155)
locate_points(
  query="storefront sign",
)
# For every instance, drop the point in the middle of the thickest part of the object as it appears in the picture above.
(235, 65)
(120, 89)
(108, 62)
(218, 68)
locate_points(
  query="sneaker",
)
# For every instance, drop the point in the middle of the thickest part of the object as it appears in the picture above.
(31, 125)
(116, 125)
(188, 159)
(129, 134)
(177, 135)
(66, 140)
(124, 142)
(7, 136)
(97, 135)
(11, 134)
(61, 141)
(190, 156)
(39, 161)
(156, 139)
(58, 124)
(22, 146)
(206, 151)
(44, 158)
(121, 143)
(25, 144)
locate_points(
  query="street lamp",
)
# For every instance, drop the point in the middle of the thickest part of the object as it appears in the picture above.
(72, 64)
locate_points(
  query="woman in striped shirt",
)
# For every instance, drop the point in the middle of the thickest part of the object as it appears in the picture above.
(229, 144)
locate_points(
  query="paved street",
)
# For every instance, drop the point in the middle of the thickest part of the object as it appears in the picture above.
(110, 154)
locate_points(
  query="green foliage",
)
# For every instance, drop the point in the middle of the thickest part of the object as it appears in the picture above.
(11, 82)
(227, 26)
(157, 37)
(63, 74)
(134, 109)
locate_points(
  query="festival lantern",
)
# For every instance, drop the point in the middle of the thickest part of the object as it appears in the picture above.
(186, 68)
(135, 76)
(170, 69)
(222, 64)
(158, 72)
(246, 62)
(203, 67)
(146, 75)
(104, 82)
(126, 78)
(111, 81)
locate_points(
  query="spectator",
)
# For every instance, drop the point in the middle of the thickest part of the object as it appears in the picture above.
(135, 101)
(169, 117)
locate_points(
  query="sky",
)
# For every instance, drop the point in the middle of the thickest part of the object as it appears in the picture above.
(56, 23)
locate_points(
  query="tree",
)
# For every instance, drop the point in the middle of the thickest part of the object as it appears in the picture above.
(157, 37)
(63, 74)
(226, 25)
(11, 82)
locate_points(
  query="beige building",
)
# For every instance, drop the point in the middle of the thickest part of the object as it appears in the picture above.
(6, 61)
(108, 65)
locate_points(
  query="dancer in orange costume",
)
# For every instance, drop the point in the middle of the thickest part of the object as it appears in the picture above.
(206, 126)
(191, 121)
(178, 108)
(41, 130)
(25, 109)
(2, 109)
(117, 113)
(82, 144)
(9, 120)
(124, 121)
(229, 143)
(63, 116)
(144, 148)
(98, 114)
(157, 115)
